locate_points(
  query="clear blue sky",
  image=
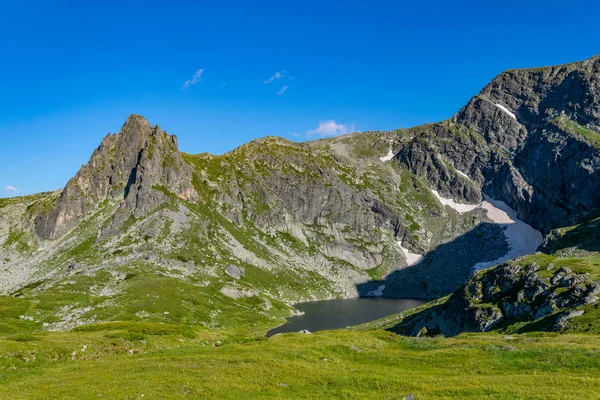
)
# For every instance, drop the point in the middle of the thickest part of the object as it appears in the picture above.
(71, 71)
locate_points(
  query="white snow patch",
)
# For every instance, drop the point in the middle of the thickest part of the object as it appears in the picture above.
(522, 239)
(411, 258)
(387, 157)
(462, 174)
(461, 208)
(506, 110)
(377, 292)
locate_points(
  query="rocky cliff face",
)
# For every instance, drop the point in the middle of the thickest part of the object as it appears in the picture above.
(530, 138)
(125, 168)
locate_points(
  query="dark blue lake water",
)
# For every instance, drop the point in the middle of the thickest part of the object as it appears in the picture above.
(336, 314)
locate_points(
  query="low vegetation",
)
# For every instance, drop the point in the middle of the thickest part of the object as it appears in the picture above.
(126, 360)
(573, 127)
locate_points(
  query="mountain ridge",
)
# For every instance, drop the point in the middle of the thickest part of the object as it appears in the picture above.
(337, 217)
(115, 171)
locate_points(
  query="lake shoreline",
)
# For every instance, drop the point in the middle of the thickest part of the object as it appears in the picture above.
(342, 313)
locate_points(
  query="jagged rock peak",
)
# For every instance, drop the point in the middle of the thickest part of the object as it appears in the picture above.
(135, 121)
(136, 130)
(127, 167)
(530, 138)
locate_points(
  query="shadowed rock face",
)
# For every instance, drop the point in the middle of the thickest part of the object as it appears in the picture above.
(530, 138)
(549, 169)
(127, 167)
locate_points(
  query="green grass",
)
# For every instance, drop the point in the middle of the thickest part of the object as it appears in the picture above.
(112, 362)
(589, 265)
(573, 127)
(82, 248)
(144, 296)
(11, 309)
(19, 239)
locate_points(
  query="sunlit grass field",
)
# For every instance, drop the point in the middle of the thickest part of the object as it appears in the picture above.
(152, 360)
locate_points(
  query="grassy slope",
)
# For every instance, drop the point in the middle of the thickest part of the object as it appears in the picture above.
(163, 361)
(160, 360)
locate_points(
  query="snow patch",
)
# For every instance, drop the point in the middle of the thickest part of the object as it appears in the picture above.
(411, 258)
(522, 238)
(506, 110)
(387, 157)
(460, 208)
(462, 174)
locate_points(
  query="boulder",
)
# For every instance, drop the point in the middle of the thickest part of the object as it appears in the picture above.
(237, 292)
(235, 272)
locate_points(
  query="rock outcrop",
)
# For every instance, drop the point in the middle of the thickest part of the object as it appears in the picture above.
(129, 168)
(512, 296)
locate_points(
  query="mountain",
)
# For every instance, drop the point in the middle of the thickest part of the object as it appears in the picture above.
(126, 168)
(556, 289)
(541, 131)
(146, 232)
(531, 141)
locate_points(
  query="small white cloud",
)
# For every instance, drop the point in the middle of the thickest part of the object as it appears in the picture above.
(282, 90)
(10, 188)
(294, 134)
(278, 75)
(197, 77)
(223, 84)
(330, 128)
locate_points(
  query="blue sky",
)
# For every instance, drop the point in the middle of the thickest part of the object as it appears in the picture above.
(71, 71)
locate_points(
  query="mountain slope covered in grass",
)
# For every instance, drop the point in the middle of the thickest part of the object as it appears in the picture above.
(144, 232)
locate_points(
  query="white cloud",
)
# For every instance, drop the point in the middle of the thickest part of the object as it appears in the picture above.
(197, 77)
(10, 188)
(278, 75)
(282, 90)
(330, 128)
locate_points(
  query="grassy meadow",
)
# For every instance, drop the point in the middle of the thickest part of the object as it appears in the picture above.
(156, 361)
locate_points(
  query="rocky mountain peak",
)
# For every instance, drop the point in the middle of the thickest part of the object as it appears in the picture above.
(530, 138)
(133, 168)
(135, 122)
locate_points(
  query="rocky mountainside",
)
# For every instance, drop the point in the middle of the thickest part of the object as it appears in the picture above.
(529, 138)
(557, 290)
(146, 232)
(125, 168)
